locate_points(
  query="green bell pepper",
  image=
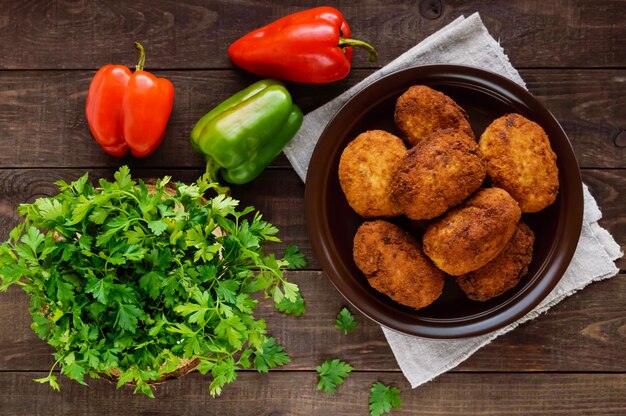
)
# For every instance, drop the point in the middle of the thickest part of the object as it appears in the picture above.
(243, 134)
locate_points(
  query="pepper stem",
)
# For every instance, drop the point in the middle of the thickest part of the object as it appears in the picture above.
(211, 172)
(142, 57)
(373, 55)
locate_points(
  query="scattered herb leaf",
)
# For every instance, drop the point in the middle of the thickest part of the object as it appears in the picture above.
(345, 321)
(332, 373)
(269, 356)
(383, 398)
(295, 259)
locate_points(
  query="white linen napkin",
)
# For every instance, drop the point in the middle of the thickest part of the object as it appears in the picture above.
(465, 41)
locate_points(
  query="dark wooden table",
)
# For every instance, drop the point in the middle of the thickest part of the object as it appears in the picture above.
(572, 55)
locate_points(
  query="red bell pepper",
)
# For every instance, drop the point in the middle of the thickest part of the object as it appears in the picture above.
(312, 46)
(127, 110)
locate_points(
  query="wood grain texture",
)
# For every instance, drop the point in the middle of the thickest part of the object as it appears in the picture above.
(294, 394)
(196, 34)
(571, 54)
(586, 332)
(42, 120)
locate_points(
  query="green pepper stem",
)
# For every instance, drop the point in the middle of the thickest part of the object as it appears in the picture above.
(142, 57)
(373, 55)
(212, 167)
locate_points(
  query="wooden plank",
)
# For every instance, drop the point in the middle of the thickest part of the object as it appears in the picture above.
(295, 394)
(196, 34)
(589, 113)
(42, 119)
(583, 333)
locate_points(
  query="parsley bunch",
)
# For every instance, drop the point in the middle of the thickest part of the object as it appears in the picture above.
(131, 281)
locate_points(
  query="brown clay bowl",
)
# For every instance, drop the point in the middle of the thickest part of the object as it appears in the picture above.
(332, 224)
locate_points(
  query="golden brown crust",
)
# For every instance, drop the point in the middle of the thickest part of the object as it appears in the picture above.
(365, 167)
(520, 160)
(394, 264)
(473, 234)
(503, 272)
(438, 173)
(421, 111)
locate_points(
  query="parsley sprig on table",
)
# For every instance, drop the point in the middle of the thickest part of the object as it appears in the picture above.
(332, 373)
(345, 321)
(131, 281)
(383, 398)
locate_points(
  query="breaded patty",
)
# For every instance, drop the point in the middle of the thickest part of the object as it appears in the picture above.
(503, 272)
(473, 234)
(393, 263)
(421, 111)
(365, 168)
(519, 159)
(438, 173)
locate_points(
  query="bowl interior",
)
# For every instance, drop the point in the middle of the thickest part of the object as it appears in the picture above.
(333, 224)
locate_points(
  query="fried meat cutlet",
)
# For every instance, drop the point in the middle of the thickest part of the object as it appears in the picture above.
(474, 233)
(365, 167)
(503, 272)
(393, 263)
(438, 173)
(421, 111)
(520, 160)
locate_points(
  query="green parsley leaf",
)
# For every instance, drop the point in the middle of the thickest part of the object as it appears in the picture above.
(15, 233)
(134, 252)
(296, 308)
(99, 216)
(295, 259)
(145, 389)
(65, 291)
(196, 312)
(151, 283)
(383, 398)
(50, 209)
(41, 325)
(79, 184)
(52, 380)
(269, 356)
(11, 274)
(127, 317)
(157, 226)
(233, 330)
(205, 366)
(99, 288)
(33, 239)
(80, 209)
(223, 373)
(332, 373)
(122, 178)
(291, 291)
(227, 290)
(75, 372)
(345, 321)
